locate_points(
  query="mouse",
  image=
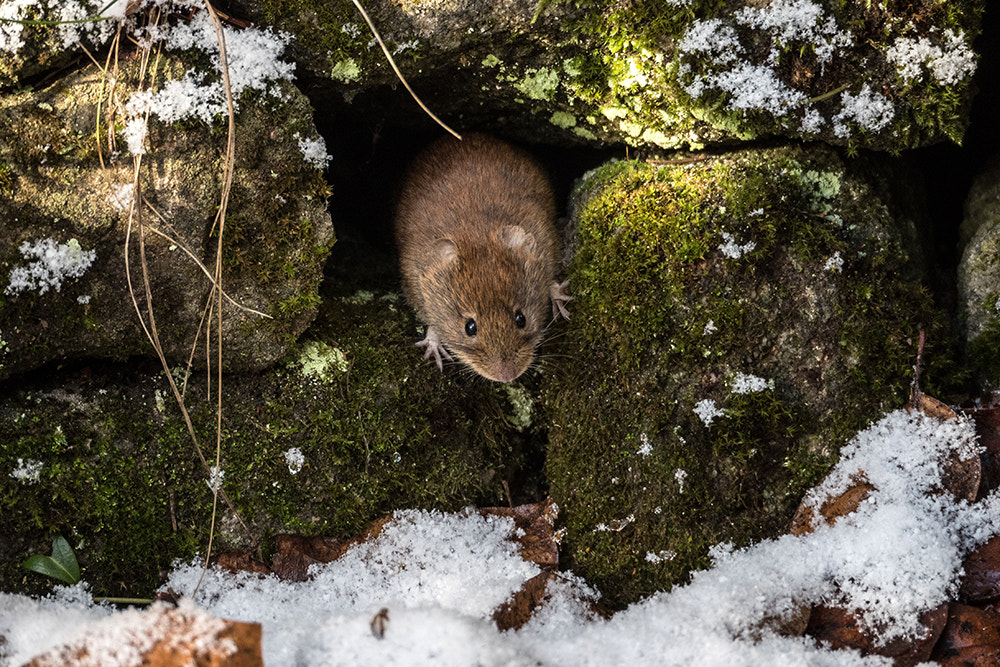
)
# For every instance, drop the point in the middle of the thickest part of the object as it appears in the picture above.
(478, 248)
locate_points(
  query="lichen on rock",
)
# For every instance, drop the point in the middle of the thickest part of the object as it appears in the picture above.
(728, 357)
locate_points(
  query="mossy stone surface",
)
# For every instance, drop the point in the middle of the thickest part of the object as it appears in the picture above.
(352, 424)
(979, 278)
(741, 316)
(60, 181)
(888, 76)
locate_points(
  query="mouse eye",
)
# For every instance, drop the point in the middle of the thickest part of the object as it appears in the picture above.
(470, 327)
(519, 319)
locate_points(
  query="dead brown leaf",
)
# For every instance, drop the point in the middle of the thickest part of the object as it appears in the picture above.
(839, 627)
(970, 638)
(517, 611)
(987, 423)
(981, 583)
(537, 521)
(180, 641)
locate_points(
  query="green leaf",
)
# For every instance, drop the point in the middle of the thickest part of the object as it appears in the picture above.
(60, 565)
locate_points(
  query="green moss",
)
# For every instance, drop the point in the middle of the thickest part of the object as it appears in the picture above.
(666, 319)
(379, 427)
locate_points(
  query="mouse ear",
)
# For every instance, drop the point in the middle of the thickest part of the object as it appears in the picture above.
(516, 238)
(445, 250)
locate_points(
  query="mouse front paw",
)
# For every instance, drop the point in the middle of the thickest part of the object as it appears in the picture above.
(434, 348)
(559, 297)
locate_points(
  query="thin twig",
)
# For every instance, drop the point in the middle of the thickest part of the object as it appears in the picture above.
(399, 74)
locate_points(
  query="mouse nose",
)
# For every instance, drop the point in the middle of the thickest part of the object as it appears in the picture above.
(505, 370)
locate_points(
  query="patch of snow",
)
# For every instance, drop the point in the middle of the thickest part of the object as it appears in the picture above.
(710, 328)
(215, 478)
(27, 470)
(733, 250)
(707, 411)
(871, 111)
(50, 264)
(950, 63)
(254, 61)
(798, 20)
(314, 151)
(121, 197)
(835, 263)
(439, 576)
(645, 447)
(680, 475)
(747, 384)
(295, 460)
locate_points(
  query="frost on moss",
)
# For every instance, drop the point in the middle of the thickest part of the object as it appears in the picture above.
(746, 371)
(861, 74)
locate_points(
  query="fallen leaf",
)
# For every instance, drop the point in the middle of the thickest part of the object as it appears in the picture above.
(971, 637)
(240, 561)
(839, 627)
(517, 611)
(537, 522)
(987, 423)
(166, 637)
(982, 574)
(832, 508)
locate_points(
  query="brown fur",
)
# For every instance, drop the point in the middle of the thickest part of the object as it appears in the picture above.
(476, 239)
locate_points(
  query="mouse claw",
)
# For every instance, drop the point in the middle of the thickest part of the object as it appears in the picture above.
(559, 297)
(434, 348)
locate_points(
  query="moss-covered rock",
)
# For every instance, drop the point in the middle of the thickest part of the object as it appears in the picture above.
(350, 425)
(664, 73)
(979, 278)
(741, 316)
(65, 192)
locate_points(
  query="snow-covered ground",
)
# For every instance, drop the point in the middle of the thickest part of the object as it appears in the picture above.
(441, 576)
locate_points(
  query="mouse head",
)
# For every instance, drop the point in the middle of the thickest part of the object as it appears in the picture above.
(490, 301)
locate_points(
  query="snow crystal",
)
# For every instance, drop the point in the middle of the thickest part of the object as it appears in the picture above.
(314, 151)
(870, 110)
(83, 299)
(679, 476)
(714, 39)
(27, 470)
(733, 250)
(121, 197)
(660, 557)
(798, 20)
(812, 121)
(295, 460)
(707, 411)
(710, 328)
(746, 384)
(835, 263)
(645, 448)
(750, 87)
(215, 478)
(51, 264)
(948, 64)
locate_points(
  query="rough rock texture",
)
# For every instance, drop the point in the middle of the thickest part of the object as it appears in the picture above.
(649, 72)
(979, 276)
(64, 196)
(741, 316)
(352, 424)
